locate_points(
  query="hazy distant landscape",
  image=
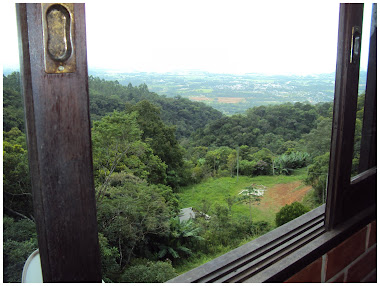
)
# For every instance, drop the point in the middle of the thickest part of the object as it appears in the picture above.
(231, 93)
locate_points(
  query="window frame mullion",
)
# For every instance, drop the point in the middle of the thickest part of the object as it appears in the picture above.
(344, 117)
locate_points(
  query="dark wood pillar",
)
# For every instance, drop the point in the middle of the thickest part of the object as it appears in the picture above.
(55, 89)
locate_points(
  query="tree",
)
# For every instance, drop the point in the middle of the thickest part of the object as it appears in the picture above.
(132, 214)
(20, 240)
(182, 238)
(16, 179)
(286, 163)
(16, 137)
(271, 141)
(187, 115)
(244, 152)
(317, 176)
(358, 134)
(263, 126)
(13, 110)
(232, 162)
(196, 153)
(161, 138)
(230, 200)
(218, 159)
(290, 212)
(109, 257)
(213, 160)
(252, 196)
(318, 141)
(246, 168)
(117, 147)
(288, 145)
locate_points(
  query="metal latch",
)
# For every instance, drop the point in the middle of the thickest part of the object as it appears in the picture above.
(58, 37)
(355, 45)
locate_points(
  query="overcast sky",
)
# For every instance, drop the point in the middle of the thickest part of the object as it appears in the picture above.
(235, 36)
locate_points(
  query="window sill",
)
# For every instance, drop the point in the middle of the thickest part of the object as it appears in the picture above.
(277, 255)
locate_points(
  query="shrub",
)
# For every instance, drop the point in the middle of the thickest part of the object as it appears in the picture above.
(246, 167)
(288, 162)
(15, 255)
(317, 176)
(149, 272)
(109, 256)
(290, 212)
(254, 168)
(244, 228)
(263, 155)
(20, 240)
(20, 230)
(262, 168)
(223, 173)
(260, 227)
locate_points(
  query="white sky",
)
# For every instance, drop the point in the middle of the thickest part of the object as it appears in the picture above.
(236, 36)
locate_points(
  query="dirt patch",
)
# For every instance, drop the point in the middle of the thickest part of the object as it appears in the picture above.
(282, 194)
(230, 99)
(200, 98)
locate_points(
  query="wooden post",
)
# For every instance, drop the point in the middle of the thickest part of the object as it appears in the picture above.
(59, 143)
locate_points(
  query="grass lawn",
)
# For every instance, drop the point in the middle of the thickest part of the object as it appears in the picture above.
(281, 190)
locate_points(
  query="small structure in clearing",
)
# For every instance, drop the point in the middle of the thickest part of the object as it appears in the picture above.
(186, 214)
(254, 190)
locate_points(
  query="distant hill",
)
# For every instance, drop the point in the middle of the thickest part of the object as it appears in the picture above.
(107, 96)
(231, 93)
(263, 126)
(188, 116)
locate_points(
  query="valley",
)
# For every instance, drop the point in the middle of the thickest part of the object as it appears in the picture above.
(233, 93)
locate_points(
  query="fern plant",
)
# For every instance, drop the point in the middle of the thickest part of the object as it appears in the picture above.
(183, 235)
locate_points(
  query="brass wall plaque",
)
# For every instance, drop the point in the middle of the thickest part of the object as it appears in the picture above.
(58, 37)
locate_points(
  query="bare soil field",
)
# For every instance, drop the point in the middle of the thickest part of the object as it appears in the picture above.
(281, 194)
(230, 99)
(200, 98)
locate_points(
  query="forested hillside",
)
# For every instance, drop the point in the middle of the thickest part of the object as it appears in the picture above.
(186, 115)
(148, 151)
(264, 126)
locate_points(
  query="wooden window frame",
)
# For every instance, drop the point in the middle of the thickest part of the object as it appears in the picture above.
(343, 200)
(273, 257)
(58, 134)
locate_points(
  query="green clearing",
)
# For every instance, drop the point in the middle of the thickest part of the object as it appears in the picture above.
(215, 190)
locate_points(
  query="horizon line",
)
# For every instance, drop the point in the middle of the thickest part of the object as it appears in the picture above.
(115, 70)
